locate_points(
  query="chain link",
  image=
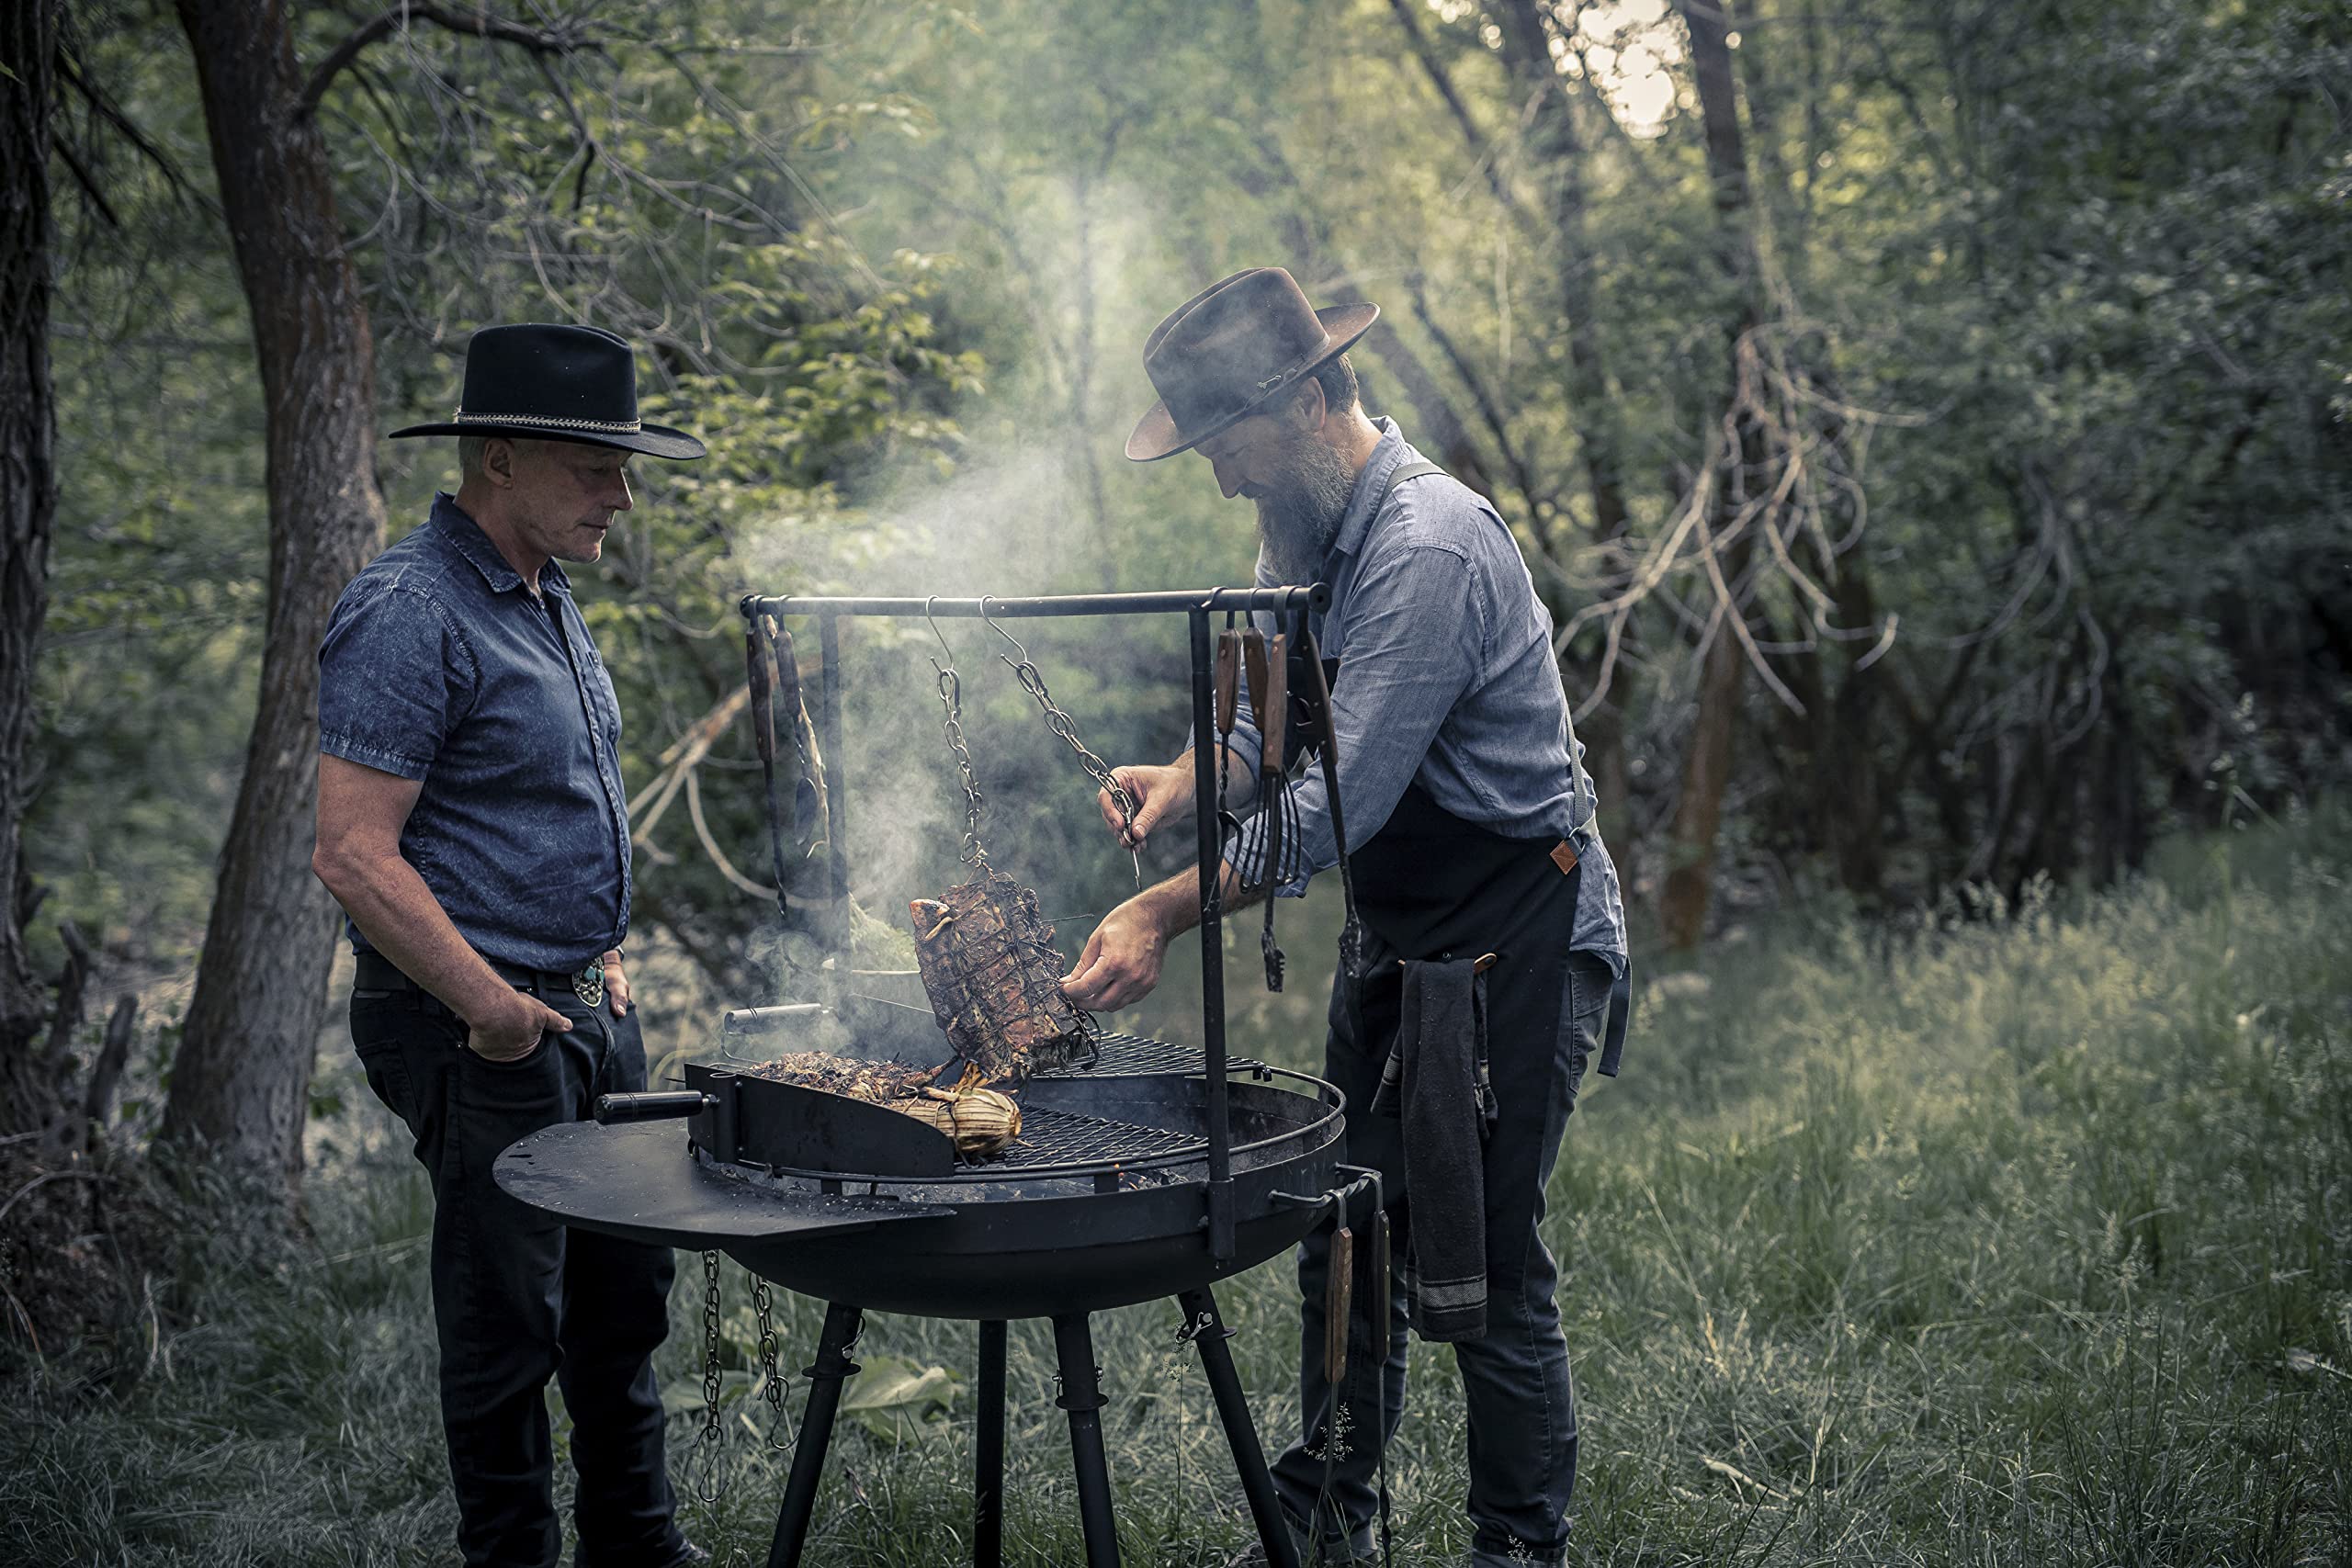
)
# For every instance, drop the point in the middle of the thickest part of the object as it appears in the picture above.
(709, 1481)
(1032, 680)
(772, 1386)
(951, 698)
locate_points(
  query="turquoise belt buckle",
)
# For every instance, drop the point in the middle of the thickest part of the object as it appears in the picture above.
(589, 984)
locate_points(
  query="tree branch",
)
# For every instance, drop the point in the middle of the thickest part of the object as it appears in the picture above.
(477, 24)
(127, 129)
(1481, 149)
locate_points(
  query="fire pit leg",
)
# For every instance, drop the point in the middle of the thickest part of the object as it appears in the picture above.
(832, 1364)
(1083, 1398)
(1206, 1329)
(987, 1452)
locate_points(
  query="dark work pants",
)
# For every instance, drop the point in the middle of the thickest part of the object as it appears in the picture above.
(517, 1298)
(1517, 1394)
(1431, 885)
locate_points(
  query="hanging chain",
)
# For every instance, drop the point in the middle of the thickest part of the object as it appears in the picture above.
(951, 697)
(1032, 680)
(709, 1483)
(771, 1389)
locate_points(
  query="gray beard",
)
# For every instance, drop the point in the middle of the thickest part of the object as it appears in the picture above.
(1299, 516)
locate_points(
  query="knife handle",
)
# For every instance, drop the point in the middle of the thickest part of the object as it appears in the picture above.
(1228, 679)
(1270, 690)
(1338, 1296)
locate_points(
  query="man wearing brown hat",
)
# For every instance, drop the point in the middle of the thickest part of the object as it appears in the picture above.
(473, 826)
(1470, 822)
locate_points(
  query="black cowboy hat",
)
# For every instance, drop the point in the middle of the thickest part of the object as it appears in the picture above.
(555, 383)
(1229, 349)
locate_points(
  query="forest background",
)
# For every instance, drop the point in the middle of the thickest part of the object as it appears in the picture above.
(1929, 423)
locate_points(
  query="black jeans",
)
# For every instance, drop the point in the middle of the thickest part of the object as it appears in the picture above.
(517, 1298)
(1516, 1385)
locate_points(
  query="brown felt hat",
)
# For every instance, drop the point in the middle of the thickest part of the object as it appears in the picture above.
(1229, 349)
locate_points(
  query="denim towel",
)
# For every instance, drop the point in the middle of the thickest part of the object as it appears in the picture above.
(1442, 1040)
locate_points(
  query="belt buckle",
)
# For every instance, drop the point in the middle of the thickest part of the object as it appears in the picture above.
(589, 984)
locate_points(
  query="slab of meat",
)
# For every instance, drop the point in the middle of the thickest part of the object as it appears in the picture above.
(994, 979)
(980, 1121)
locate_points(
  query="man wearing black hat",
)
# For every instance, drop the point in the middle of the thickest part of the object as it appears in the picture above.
(1494, 935)
(473, 826)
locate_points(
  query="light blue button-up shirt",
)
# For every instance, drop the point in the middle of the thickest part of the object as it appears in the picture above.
(1449, 683)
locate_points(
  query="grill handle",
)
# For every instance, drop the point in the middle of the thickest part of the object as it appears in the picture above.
(655, 1105)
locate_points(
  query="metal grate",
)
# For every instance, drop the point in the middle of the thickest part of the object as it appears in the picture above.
(1127, 1055)
(1067, 1137)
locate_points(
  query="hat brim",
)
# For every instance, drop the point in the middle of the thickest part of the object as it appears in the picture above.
(1156, 435)
(654, 440)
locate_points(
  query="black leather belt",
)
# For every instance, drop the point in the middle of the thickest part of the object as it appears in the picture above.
(376, 973)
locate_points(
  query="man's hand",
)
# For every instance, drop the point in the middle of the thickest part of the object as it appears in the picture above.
(616, 991)
(1162, 795)
(513, 1031)
(1121, 961)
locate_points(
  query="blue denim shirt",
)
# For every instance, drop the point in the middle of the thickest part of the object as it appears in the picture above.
(1451, 684)
(439, 665)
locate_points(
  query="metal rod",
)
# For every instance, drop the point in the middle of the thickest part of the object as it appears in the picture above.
(1083, 1398)
(825, 1374)
(1205, 761)
(987, 1452)
(1209, 1334)
(1316, 597)
(835, 886)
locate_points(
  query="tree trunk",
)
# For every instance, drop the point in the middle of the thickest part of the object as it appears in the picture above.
(27, 513)
(1527, 49)
(240, 1084)
(1706, 774)
(1706, 767)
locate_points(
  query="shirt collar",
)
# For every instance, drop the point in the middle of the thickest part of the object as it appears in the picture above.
(1364, 503)
(466, 536)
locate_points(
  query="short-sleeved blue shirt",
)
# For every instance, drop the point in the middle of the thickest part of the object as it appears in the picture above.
(439, 665)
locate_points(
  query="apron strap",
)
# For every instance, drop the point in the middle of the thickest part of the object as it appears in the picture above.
(1402, 472)
(1613, 1038)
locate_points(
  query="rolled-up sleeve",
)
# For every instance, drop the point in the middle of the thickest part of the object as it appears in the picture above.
(1416, 640)
(394, 676)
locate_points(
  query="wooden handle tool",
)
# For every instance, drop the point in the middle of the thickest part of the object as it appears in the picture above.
(1337, 1298)
(1272, 696)
(1228, 679)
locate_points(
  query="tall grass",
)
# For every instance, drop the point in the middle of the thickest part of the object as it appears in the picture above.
(2021, 1239)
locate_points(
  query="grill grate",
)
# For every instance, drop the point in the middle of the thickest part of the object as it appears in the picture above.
(1068, 1137)
(1126, 1055)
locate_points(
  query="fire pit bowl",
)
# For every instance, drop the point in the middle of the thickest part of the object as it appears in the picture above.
(1100, 1203)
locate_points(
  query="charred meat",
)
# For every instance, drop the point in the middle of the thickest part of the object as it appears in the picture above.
(980, 1121)
(994, 979)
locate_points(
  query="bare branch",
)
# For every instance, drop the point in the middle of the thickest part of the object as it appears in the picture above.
(561, 40)
(1481, 149)
(125, 127)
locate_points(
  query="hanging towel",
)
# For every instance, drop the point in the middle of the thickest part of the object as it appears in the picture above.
(1446, 1108)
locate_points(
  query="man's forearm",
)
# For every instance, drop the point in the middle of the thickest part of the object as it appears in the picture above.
(1240, 778)
(402, 920)
(1175, 905)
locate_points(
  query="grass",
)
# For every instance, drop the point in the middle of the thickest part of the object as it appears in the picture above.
(2015, 1240)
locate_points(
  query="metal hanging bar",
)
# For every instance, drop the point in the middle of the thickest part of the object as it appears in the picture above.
(1207, 764)
(1179, 602)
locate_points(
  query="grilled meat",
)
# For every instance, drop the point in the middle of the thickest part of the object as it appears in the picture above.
(994, 979)
(981, 1122)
